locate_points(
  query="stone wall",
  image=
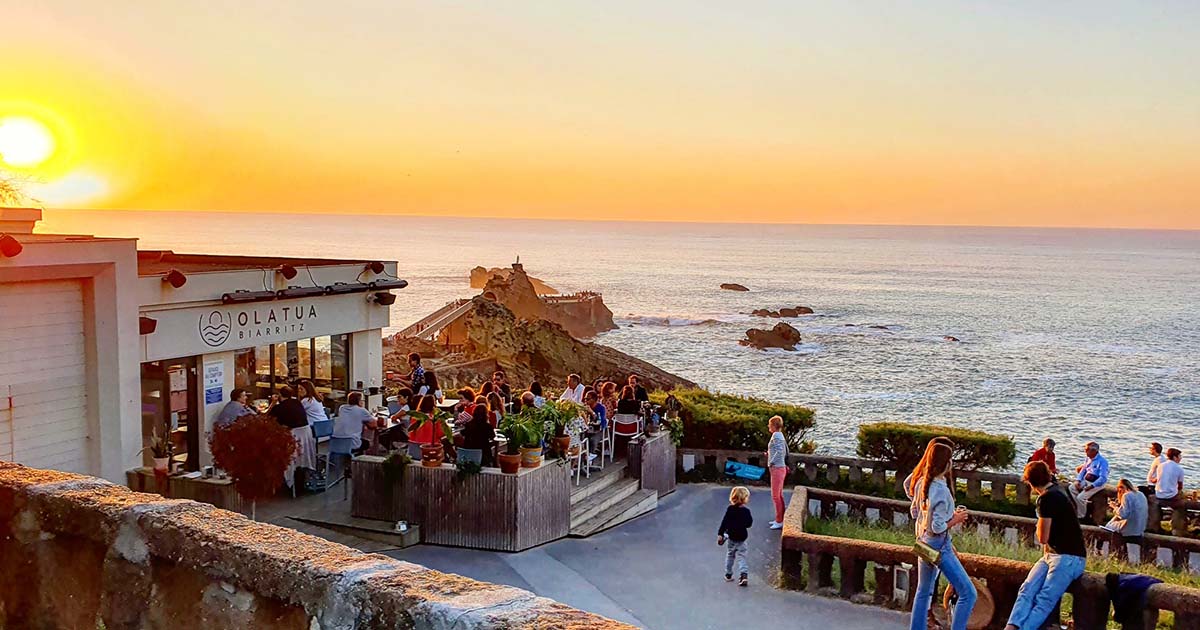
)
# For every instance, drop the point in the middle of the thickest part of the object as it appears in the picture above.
(80, 552)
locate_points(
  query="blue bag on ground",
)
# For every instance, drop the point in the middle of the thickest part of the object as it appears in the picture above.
(744, 471)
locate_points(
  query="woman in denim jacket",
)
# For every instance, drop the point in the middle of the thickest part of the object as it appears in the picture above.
(934, 513)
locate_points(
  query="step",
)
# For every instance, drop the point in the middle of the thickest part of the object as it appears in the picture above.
(612, 494)
(629, 508)
(365, 528)
(600, 479)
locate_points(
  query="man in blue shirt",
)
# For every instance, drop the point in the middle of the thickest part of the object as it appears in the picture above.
(1091, 478)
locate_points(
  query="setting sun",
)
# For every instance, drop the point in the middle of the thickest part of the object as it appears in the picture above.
(24, 142)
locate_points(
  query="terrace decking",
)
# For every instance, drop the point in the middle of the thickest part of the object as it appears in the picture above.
(607, 499)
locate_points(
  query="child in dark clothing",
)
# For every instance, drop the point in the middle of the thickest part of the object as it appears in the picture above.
(737, 520)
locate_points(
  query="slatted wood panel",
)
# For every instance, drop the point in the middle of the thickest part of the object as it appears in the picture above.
(489, 510)
(43, 376)
(218, 492)
(652, 463)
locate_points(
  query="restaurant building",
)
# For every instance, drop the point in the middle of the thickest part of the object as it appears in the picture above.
(103, 346)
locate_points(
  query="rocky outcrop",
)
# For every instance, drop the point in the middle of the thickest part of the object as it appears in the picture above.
(730, 286)
(480, 276)
(783, 312)
(581, 314)
(949, 338)
(541, 350)
(781, 336)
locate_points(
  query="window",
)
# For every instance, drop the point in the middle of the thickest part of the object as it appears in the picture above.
(324, 360)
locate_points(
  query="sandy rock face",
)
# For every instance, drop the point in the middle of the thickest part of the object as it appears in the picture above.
(584, 315)
(481, 275)
(781, 336)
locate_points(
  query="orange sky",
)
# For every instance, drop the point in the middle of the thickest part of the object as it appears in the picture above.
(947, 113)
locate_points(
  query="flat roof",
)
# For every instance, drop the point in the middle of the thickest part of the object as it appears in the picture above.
(155, 262)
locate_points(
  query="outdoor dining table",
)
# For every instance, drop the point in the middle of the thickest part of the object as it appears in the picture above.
(447, 404)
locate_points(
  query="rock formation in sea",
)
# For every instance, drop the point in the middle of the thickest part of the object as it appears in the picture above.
(783, 312)
(581, 314)
(783, 335)
(480, 276)
(730, 286)
(542, 350)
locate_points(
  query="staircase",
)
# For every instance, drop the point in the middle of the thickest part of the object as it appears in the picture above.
(607, 499)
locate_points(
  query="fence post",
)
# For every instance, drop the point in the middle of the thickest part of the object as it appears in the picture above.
(1189, 620)
(885, 586)
(879, 476)
(820, 571)
(999, 490)
(853, 576)
(791, 568)
(973, 487)
(1023, 493)
(856, 474)
(810, 471)
(833, 473)
(1090, 609)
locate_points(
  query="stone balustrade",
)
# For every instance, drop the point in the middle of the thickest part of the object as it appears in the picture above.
(80, 552)
(810, 468)
(802, 552)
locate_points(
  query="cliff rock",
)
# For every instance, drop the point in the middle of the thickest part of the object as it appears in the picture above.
(535, 349)
(480, 276)
(581, 314)
(781, 336)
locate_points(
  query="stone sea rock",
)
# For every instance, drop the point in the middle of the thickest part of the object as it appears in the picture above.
(481, 275)
(730, 286)
(783, 335)
(783, 312)
(581, 314)
(949, 338)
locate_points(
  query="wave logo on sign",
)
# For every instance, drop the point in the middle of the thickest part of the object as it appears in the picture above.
(215, 328)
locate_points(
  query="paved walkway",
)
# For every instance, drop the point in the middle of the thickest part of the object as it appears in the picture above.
(664, 571)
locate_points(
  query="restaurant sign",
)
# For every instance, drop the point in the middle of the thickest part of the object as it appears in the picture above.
(201, 330)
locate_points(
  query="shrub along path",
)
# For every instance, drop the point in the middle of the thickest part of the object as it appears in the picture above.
(664, 570)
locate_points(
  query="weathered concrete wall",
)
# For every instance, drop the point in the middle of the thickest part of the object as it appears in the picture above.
(80, 552)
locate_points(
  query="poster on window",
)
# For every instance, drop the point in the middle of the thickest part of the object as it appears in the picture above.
(214, 382)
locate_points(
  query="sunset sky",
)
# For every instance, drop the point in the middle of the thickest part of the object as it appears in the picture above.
(936, 112)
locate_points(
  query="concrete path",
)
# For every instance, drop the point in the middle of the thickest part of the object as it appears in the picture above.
(664, 571)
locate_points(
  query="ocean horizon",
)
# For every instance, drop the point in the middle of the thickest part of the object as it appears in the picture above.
(1072, 333)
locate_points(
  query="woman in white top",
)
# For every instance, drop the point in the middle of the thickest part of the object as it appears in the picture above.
(314, 409)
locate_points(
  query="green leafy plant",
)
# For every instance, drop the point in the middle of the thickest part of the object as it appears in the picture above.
(159, 446)
(526, 428)
(394, 466)
(903, 444)
(675, 429)
(712, 420)
(466, 468)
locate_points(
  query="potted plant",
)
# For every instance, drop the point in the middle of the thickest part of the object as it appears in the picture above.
(512, 428)
(556, 416)
(534, 432)
(256, 451)
(160, 450)
(433, 454)
(394, 466)
(465, 468)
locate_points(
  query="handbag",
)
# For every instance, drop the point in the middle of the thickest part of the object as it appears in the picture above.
(927, 553)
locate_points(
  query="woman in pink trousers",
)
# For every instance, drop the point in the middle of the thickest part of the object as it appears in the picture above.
(777, 464)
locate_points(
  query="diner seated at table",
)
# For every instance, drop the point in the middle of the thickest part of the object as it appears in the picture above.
(287, 410)
(539, 398)
(598, 421)
(500, 381)
(486, 389)
(404, 400)
(628, 402)
(478, 434)
(428, 432)
(310, 399)
(495, 408)
(237, 407)
(574, 390)
(355, 423)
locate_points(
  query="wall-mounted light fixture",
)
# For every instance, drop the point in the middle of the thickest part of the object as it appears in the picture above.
(287, 271)
(388, 284)
(242, 297)
(9, 246)
(175, 278)
(374, 267)
(147, 325)
(299, 292)
(382, 298)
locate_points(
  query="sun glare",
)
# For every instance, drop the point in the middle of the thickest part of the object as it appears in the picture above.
(24, 142)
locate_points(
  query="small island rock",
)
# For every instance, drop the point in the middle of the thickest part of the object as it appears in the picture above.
(781, 336)
(729, 286)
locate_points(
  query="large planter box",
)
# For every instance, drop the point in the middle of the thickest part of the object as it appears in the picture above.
(489, 510)
(218, 492)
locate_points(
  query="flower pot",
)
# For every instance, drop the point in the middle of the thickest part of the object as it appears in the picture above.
(432, 455)
(561, 444)
(531, 456)
(161, 464)
(651, 429)
(509, 464)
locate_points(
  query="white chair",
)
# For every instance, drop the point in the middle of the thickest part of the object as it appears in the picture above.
(606, 443)
(577, 454)
(627, 425)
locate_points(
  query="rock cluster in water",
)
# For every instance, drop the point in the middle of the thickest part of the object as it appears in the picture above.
(783, 335)
(783, 312)
(730, 286)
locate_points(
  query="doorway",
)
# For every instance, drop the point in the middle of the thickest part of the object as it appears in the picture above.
(170, 408)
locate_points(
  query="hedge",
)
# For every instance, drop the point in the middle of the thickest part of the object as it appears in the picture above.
(903, 444)
(724, 421)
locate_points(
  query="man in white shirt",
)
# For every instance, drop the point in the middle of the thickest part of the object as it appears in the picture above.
(574, 390)
(1168, 489)
(1156, 451)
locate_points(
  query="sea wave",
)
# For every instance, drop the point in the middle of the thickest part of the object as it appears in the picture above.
(672, 320)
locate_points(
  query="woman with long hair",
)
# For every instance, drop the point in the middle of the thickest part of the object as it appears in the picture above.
(628, 402)
(909, 491)
(479, 434)
(495, 406)
(314, 409)
(539, 398)
(429, 432)
(608, 398)
(934, 513)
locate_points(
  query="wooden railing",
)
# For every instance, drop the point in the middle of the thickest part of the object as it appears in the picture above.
(813, 468)
(887, 562)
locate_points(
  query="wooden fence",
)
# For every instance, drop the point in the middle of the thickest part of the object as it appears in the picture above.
(487, 510)
(652, 463)
(1003, 577)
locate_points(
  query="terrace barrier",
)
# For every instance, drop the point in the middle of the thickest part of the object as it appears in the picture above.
(814, 468)
(854, 558)
(80, 552)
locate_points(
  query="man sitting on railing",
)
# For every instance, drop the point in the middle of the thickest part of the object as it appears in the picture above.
(1064, 553)
(1091, 477)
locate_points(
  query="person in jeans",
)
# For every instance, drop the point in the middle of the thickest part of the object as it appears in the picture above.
(934, 513)
(734, 526)
(777, 463)
(1091, 477)
(1168, 489)
(1131, 512)
(1064, 552)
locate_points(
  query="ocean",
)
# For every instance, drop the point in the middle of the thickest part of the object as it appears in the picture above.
(1072, 334)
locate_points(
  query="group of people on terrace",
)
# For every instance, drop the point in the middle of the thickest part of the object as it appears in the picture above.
(1164, 483)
